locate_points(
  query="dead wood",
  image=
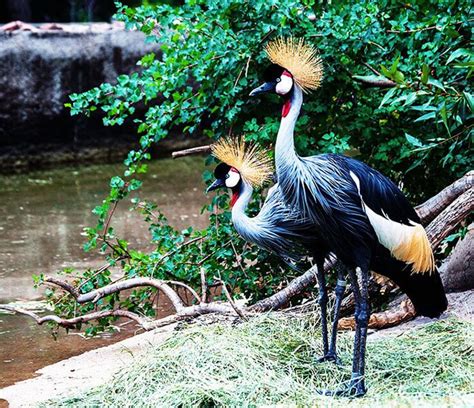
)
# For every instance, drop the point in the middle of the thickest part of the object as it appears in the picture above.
(97, 294)
(294, 288)
(193, 150)
(431, 208)
(383, 320)
(72, 322)
(450, 217)
(375, 82)
(182, 311)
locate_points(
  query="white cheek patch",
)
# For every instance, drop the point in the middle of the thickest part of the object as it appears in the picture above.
(284, 86)
(233, 179)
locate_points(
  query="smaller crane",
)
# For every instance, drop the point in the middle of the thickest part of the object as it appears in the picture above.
(277, 227)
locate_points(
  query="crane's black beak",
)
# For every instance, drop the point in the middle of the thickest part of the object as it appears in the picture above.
(266, 87)
(218, 183)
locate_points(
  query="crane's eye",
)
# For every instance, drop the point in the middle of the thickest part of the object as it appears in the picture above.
(227, 175)
(278, 80)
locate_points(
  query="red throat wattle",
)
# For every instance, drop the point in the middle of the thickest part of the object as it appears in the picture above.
(286, 108)
(235, 197)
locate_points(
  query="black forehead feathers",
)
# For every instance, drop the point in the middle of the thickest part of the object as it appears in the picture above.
(221, 170)
(273, 72)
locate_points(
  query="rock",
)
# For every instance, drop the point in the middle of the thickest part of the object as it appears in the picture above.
(40, 68)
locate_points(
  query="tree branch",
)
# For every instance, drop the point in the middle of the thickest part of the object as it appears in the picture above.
(378, 82)
(193, 150)
(237, 310)
(97, 294)
(144, 322)
(295, 287)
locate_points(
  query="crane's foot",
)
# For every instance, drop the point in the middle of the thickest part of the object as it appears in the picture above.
(331, 357)
(353, 388)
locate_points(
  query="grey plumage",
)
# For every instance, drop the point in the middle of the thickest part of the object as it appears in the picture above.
(276, 228)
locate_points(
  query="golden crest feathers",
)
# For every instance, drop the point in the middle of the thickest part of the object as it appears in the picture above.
(253, 164)
(298, 58)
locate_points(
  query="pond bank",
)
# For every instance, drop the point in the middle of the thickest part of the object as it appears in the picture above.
(77, 374)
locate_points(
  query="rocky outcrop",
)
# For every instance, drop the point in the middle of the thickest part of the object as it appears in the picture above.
(40, 67)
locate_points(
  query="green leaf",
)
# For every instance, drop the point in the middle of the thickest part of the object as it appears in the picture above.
(370, 78)
(436, 83)
(444, 117)
(387, 96)
(425, 71)
(426, 116)
(116, 182)
(470, 100)
(461, 52)
(413, 140)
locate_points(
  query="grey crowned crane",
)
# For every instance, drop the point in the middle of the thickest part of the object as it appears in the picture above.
(362, 215)
(277, 227)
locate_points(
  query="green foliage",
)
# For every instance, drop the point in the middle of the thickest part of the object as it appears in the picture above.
(418, 132)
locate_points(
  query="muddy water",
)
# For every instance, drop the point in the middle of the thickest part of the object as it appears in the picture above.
(41, 219)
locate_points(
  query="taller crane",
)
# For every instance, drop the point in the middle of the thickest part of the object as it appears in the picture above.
(362, 215)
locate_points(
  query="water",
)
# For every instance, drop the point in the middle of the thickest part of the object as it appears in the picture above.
(41, 219)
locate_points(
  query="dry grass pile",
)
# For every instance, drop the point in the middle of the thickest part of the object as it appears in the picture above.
(269, 361)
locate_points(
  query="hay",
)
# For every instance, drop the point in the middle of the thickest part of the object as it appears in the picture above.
(269, 361)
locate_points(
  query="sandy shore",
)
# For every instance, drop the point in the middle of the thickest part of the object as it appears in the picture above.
(68, 377)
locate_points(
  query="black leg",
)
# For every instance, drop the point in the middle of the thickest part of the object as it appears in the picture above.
(363, 321)
(339, 290)
(323, 301)
(356, 292)
(356, 385)
(359, 282)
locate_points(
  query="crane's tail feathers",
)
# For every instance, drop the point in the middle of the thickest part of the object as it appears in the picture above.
(425, 290)
(415, 249)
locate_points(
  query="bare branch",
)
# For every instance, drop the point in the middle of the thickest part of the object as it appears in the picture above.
(189, 288)
(295, 287)
(202, 272)
(375, 82)
(144, 322)
(109, 218)
(100, 270)
(193, 150)
(229, 298)
(372, 68)
(97, 294)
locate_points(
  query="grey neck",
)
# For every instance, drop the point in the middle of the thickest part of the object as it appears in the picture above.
(240, 220)
(285, 146)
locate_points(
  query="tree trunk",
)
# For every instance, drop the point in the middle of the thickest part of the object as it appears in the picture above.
(457, 272)
(450, 217)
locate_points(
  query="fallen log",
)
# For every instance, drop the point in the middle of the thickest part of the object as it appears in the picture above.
(431, 208)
